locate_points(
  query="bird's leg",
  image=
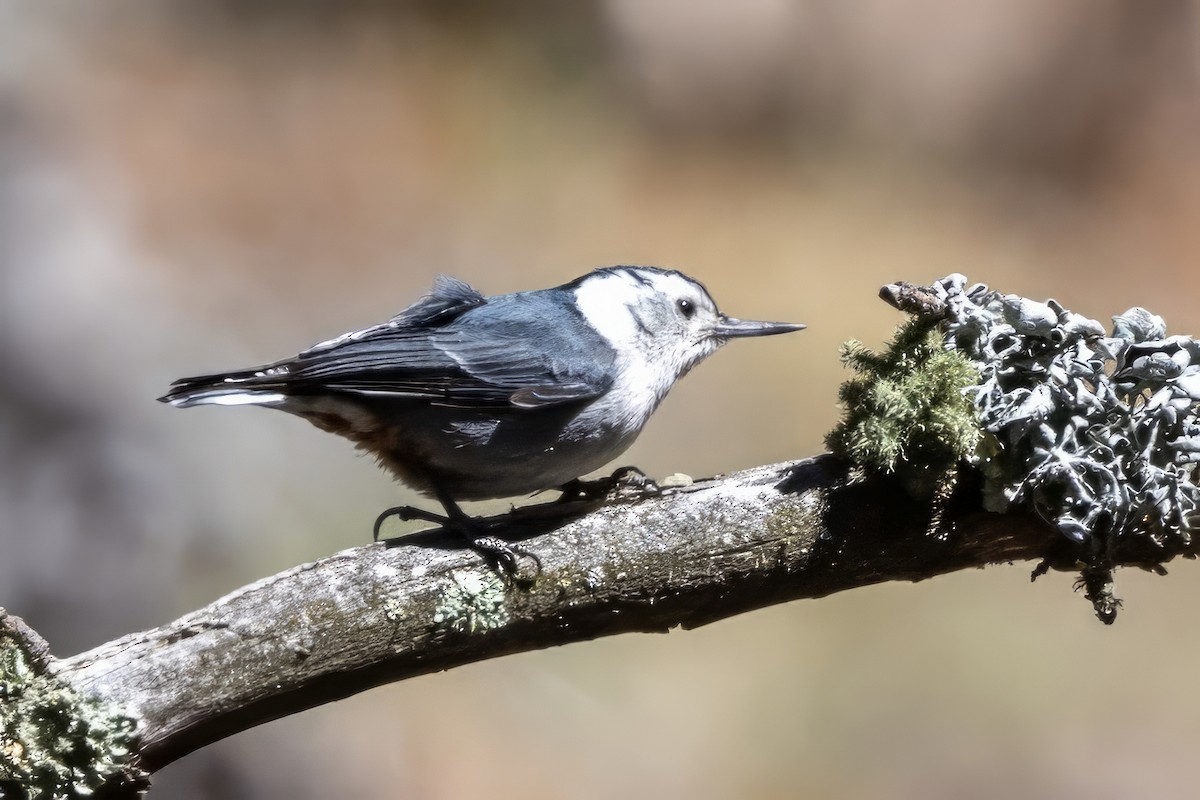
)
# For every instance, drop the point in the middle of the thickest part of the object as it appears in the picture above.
(475, 531)
(624, 482)
(496, 550)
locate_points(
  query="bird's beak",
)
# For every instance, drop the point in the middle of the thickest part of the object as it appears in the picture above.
(729, 328)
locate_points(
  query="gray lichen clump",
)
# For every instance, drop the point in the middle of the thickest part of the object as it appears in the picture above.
(1098, 433)
(55, 743)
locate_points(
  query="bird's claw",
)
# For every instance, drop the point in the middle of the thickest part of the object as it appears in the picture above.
(407, 514)
(625, 483)
(518, 564)
(630, 479)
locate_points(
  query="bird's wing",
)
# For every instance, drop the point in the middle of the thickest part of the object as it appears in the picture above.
(500, 371)
(524, 355)
(453, 347)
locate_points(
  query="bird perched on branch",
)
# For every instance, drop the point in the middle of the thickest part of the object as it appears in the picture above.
(467, 397)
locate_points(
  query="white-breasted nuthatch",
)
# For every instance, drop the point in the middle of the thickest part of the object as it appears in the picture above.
(466, 397)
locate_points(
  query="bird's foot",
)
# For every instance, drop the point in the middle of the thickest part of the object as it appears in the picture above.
(631, 480)
(626, 483)
(518, 564)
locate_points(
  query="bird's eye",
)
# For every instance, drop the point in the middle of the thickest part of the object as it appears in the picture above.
(685, 307)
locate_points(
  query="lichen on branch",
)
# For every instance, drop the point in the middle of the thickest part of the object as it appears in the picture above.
(1098, 433)
(54, 741)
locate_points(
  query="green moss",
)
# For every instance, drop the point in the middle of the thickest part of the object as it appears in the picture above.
(905, 412)
(55, 742)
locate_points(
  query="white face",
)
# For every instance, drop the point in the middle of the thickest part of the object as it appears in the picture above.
(661, 324)
(662, 318)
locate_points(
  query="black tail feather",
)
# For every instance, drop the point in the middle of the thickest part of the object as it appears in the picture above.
(201, 389)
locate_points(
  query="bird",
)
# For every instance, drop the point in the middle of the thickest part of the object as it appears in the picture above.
(466, 397)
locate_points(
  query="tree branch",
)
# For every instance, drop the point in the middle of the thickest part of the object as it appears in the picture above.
(383, 612)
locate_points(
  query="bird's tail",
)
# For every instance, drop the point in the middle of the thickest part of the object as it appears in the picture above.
(251, 387)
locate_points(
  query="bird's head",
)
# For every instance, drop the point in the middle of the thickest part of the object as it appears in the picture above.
(661, 317)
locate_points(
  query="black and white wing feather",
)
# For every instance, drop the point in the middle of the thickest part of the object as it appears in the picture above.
(453, 347)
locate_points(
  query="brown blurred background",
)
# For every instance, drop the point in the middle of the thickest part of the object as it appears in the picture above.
(192, 186)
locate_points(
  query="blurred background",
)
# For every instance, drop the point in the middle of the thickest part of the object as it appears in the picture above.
(194, 186)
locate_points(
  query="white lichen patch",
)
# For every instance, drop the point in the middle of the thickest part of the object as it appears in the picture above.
(393, 609)
(472, 602)
(385, 571)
